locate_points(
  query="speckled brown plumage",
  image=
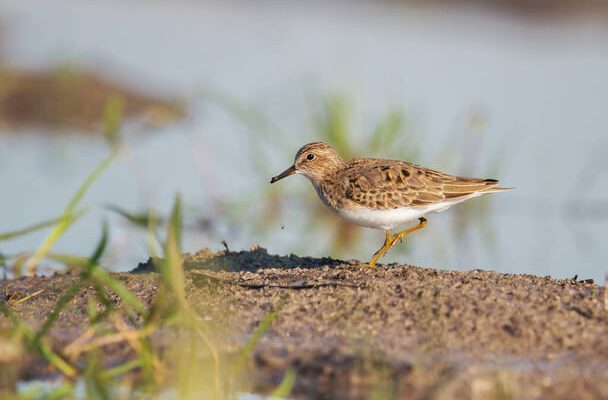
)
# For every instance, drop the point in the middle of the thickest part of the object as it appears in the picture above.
(385, 184)
(379, 193)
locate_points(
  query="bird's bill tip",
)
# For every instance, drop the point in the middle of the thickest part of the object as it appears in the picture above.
(289, 171)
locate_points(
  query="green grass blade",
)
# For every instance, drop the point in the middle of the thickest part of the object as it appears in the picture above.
(76, 286)
(95, 387)
(68, 259)
(148, 359)
(56, 233)
(8, 313)
(148, 221)
(112, 118)
(141, 220)
(286, 386)
(100, 248)
(88, 182)
(171, 268)
(121, 369)
(40, 346)
(39, 226)
(175, 226)
(154, 246)
(54, 314)
(128, 298)
(57, 361)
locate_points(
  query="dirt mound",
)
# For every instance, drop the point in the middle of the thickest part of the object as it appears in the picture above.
(397, 330)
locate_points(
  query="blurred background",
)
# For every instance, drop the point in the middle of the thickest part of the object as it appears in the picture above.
(217, 97)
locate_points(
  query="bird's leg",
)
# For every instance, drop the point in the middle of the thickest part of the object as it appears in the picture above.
(387, 244)
(390, 241)
(400, 235)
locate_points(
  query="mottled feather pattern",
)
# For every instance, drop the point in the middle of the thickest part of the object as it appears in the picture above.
(388, 184)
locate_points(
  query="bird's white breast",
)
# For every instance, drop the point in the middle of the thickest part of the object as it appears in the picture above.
(388, 219)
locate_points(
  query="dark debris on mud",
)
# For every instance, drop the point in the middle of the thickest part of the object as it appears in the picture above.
(400, 330)
(252, 260)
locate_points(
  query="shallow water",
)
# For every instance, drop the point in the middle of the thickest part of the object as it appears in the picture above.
(538, 87)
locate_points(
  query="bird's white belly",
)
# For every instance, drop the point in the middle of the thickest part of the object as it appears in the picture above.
(388, 219)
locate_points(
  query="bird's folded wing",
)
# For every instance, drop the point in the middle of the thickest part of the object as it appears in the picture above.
(386, 184)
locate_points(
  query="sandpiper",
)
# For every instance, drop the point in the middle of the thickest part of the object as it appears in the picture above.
(382, 194)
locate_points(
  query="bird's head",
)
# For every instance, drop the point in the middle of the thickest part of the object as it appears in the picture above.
(313, 160)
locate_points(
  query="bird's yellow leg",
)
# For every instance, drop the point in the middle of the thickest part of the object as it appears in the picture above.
(400, 235)
(387, 245)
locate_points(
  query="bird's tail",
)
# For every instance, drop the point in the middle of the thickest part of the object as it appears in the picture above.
(497, 189)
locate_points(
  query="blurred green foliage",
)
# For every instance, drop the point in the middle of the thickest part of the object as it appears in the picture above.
(198, 370)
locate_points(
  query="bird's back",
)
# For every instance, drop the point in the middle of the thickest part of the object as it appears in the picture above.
(390, 184)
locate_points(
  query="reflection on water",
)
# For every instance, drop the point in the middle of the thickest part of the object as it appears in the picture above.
(463, 91)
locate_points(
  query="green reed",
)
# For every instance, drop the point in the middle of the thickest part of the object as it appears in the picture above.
(198, 370)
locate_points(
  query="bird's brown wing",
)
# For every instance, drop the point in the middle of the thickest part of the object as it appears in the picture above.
(386, 184)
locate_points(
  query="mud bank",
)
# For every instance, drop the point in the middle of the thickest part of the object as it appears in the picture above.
(397, 330)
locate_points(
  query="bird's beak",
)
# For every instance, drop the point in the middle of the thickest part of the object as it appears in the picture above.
(289, 171)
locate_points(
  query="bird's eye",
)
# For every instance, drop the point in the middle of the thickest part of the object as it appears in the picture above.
(310, 157)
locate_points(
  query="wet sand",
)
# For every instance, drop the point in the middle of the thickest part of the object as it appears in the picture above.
(398, 331)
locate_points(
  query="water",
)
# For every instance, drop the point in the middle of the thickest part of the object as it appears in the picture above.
(538, 86)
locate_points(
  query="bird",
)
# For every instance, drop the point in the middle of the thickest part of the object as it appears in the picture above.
(381, 193)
